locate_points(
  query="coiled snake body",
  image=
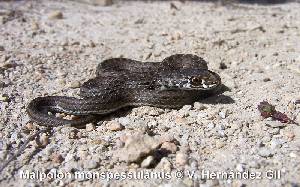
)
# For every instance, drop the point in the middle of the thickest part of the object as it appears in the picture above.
(178, 80)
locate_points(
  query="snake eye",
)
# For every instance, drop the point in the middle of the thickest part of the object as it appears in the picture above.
(196, 81)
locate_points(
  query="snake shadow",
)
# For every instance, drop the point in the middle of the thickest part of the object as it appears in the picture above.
(218, 97)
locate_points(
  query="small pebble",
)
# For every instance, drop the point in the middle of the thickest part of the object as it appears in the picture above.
(55, 15)
(274, 131)
(35, 26)
(137, 146)
(125, 121)
(181, 121)
(146, 56)
(210, 126)
(292, 106)
(219, 144)
(56, 158)
(74, 134)
(199, 106)
(240, 167)
(74, 84)
(290, 135)
(152, 124)
(167, 138)
(181, 159)
(69, 157)
(221, 133)
(4, 98)
(275, 124)
(91, 164)
(235, 126)
(189, 182)
(43, 141)
(164, 164)
(293, 155)
(97, 141)
(62, 74)
(186, 107)
(90, 127)
(114, 126)
(264, 152)
(147, 162)
(2, 48)
(133, 166)
(171, 147)
(275, 144)
(254, 164)
(124, 138)
(83, 154)
(266, 79)
(30, 126)
(62, 82)
(119, 143)
(223, 114)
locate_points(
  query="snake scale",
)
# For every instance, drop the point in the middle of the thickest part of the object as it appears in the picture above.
(177, 80)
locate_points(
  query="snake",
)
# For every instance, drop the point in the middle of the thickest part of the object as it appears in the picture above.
(178, 80)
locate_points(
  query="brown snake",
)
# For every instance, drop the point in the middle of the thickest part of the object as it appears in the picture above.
(178, 80)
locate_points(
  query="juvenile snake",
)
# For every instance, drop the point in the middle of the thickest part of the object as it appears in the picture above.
(178, 80)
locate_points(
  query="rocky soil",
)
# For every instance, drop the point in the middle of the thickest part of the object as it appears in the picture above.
(52, 47)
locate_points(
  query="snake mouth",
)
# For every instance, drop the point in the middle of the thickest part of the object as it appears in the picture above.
(208, 81)
(206, 86)
(203, 87)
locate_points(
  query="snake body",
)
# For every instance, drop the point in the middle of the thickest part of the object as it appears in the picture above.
(178, 80)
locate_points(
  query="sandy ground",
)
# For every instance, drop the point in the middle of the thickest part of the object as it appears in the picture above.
(41, 54)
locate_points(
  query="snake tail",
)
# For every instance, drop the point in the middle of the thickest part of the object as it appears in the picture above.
(39, 107)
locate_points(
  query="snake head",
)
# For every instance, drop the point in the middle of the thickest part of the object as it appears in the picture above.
(205, 81)
(191, 79)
